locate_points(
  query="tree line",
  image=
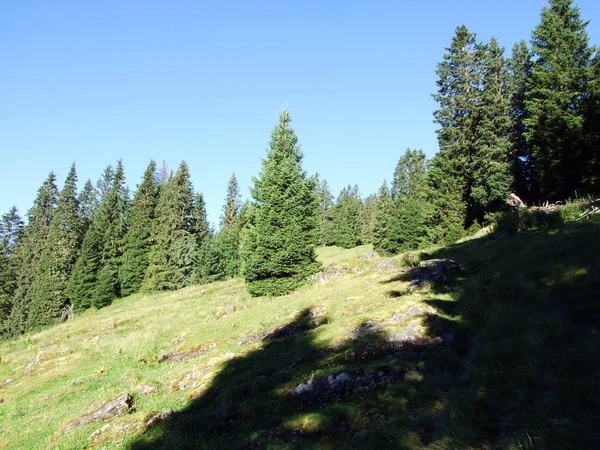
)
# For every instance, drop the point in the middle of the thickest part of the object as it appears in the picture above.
(526, 124)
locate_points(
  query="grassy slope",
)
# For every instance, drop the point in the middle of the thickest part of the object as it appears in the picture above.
(521, 372)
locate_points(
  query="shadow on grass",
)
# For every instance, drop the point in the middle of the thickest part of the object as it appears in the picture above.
(512, 361)
(364, 393)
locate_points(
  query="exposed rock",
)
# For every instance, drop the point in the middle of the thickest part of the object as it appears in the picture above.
(202, 292)
(411, 311)
(369, 256)
(308, 320)
(5, 382)
(385, 265)
(93, 339)
(364, 329)
(146, 389)
(515, 202)
(185, 356)
(250, 339)
(334, 270)
(96, 435)
(190, 380)
(156, 419)
(113, 408)
(322, 388)
(431, 271)
(31, 364)
(177, 340)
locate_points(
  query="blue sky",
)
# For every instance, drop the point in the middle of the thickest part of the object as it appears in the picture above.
(204, 81)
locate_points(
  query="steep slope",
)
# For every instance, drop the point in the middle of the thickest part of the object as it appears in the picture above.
(503, 354)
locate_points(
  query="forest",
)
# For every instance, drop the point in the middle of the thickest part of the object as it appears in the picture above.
(527, 123)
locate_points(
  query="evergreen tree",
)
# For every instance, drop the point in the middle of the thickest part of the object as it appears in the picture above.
(10, 230)
(87, 205)
(326, 228)
(519, 72)
(104, 183)
(231, 207)
(278, 248)
(112, 226)
(383, 216)
(554, 99)
(591, 147)
(458, 96)
(491, 170)
(137, 242)
(49, 289)
(172, 235)
(367, 219)
(347, 215)
(29, 250)
(95, 281)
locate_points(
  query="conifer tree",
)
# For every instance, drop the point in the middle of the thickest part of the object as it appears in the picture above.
(231, 207)
(367, 219)
(278, 248)
(590, 182)
(10, 229)
(326, 228)
(29, 250)
(137, 242)
(104, 183)
(519, 72)
(383, 216)
(87, 205)
(174, 244)
(458, 96)
(491, 169)
(347, 216)
(94, 281)
(49, 289)
(554, 99)
(112, 226)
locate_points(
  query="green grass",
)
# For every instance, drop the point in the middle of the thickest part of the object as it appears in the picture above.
(518, 365)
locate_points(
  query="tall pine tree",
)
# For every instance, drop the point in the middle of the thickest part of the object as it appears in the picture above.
(347, 218)
(231, 208)
(137, 242)
(49, 289)
(11, 226)
(554, 99)
(278, 249)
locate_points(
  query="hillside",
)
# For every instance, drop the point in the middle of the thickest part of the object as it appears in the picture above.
(504, 354)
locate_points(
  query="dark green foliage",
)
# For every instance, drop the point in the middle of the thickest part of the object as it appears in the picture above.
(176, 228)
(367, 219)
(278, 247)
(554, 99)
(347, 218)
(491, 165)
(104, 183)
(49, 289)
(519, 72)
(87, 205)
(102, 249)
(231, 207)
(137, 242)
(383, 217)
(29, 250)
(590, 172)
(11, 226)
(326, 227)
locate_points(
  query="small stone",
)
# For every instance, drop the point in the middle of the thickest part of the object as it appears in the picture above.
(96, 434)
(31, 364)
(157, 418)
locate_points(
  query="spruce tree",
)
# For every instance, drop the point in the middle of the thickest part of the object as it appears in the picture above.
(367, 219)
(112, 226)
(49, 289)
(519, 72)
(347, 218)
(278, 248)
(104, 183)
(172, 235)
(95, 281)
(491, 169)
(231, 207)
(137, 243)
(326, 227)
(383, 216)
(590, 182)
(458, 96)
(87, 205)
(29, 250)
(554, 100)
(10, 229)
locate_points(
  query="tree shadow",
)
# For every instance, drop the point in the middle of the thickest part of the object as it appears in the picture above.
(362, 392)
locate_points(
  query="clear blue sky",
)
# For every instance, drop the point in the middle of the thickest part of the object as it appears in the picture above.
(204, 81)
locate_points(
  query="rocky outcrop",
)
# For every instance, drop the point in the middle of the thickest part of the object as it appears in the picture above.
(120, 405)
